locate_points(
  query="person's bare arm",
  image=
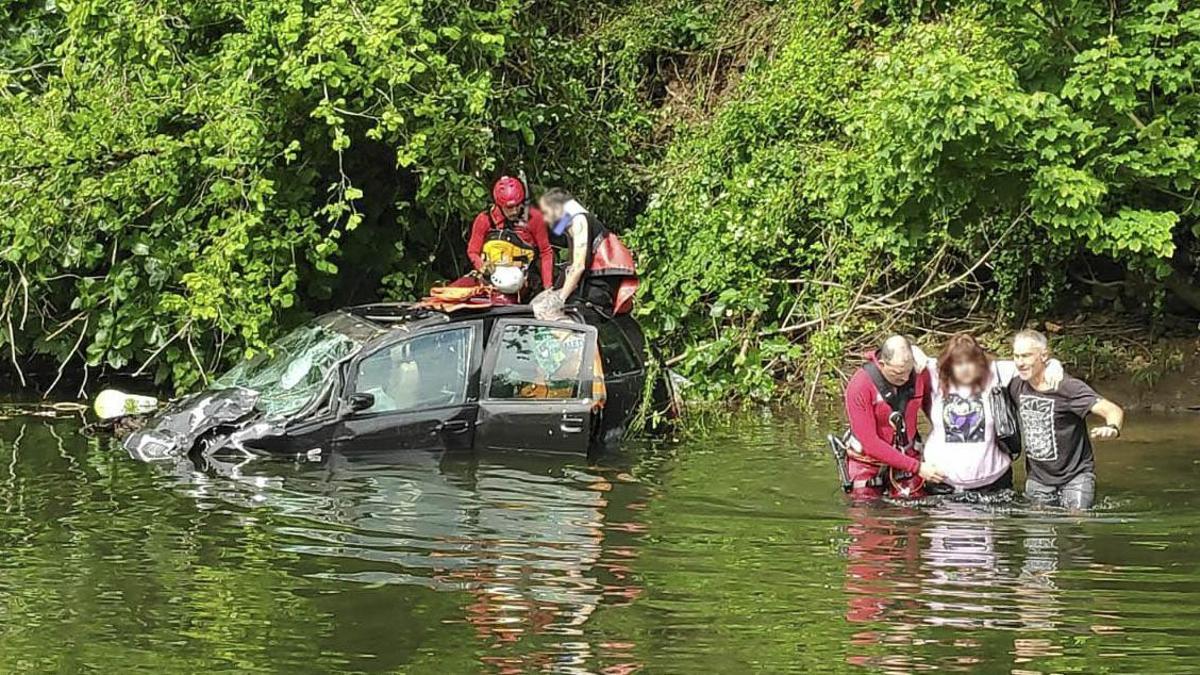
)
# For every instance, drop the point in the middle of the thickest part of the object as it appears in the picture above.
(1114, 419)
(921, 360)
(579, 247)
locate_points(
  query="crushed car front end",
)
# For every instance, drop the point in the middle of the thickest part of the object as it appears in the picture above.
(261, 397)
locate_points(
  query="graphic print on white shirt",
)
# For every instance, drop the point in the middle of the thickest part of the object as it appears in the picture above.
(1037, 428)
(963, 418)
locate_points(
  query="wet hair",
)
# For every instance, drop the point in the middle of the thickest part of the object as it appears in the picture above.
(1033, 336)
(893, 347)
(556, 196)
(962, 346)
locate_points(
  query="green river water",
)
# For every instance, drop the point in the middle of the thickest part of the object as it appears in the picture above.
(734, 552)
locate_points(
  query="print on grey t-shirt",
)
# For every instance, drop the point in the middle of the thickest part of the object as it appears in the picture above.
(1037, 428)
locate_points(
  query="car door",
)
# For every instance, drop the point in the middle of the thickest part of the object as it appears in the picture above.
(536, 387)
(421, 387)
(624, 378)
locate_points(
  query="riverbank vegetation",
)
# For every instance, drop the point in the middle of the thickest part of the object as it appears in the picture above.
(183, 180)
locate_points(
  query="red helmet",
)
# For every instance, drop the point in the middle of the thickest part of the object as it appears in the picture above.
(508, 192)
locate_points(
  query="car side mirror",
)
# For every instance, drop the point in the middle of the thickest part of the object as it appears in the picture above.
(360, 402)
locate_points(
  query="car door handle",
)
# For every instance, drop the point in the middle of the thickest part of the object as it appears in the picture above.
(571, 424)
(454, 427)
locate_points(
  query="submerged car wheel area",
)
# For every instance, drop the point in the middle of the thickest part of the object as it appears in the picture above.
(397, 377)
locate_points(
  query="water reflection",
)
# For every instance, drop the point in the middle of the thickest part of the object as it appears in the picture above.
(883, 557)
(524, 538)
(725, 554)
(974, 569)
(1036, 590)
(964, 571)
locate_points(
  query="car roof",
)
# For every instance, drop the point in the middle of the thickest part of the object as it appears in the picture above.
(391, 314)
(385, 319)
(379, 323)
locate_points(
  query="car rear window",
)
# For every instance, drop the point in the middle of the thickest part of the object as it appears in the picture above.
(615, 351)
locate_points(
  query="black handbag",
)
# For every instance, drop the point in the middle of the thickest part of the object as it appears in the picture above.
(1004, 420)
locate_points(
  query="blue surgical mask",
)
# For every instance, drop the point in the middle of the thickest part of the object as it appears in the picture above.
(562, 224)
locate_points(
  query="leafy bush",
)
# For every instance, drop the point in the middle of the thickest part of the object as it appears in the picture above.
(182, 178)
(876, 168)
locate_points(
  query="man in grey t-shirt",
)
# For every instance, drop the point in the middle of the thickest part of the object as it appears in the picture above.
(1058, 448)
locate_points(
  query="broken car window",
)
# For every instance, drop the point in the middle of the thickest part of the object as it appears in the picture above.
(289, 373)
(617, 354)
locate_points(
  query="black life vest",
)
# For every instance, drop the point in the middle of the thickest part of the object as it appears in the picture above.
(609, 266)
(897, 398)
(607, 256)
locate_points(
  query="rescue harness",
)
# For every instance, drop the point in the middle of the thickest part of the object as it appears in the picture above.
(903, 483)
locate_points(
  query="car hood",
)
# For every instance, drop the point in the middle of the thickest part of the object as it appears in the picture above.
(174, 430)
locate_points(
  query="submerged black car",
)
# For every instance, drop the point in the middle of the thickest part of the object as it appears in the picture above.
(395, 376)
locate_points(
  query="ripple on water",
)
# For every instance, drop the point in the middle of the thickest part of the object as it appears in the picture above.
(733, 552)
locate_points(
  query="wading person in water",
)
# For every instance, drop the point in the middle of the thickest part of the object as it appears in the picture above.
(882, 401)
(1058, 449)
(962, 441)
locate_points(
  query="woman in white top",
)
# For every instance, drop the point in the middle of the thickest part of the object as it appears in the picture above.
(962, 442)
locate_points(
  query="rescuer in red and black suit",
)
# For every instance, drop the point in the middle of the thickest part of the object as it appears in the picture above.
(883, 400)
(511, 219)
(601, 271)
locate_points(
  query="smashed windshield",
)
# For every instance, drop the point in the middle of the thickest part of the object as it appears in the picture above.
(289, 373)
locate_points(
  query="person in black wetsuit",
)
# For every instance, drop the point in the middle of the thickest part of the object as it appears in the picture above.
(601, 272)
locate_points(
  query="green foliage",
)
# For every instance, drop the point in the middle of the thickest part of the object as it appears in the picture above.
(182, 178)
(869, 156)
(1099, 356)
(727, 213)
(185, 180)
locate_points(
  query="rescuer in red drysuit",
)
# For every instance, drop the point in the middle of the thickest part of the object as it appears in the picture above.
(601, 272)
(510, 218)
(882, 401)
